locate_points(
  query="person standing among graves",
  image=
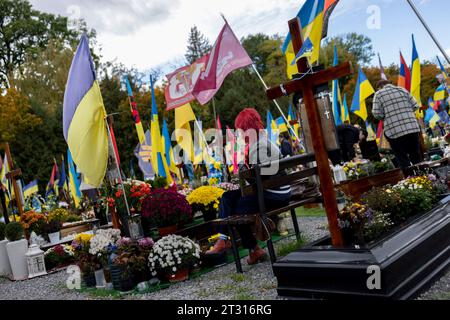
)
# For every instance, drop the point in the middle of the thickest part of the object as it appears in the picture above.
(397, 107)
(348, 136)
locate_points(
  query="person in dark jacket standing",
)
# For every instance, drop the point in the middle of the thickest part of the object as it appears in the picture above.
(397, 108)
(349, 136)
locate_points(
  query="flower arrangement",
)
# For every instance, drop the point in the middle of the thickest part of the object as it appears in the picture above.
(87, 263)
(173, 253)
(165, 207)
(132, 257)
(227, 186)
(185, 190)
(354, 216)
(103, 243)
(355, 171)
(33, 222)
(59, 256)
(383, 166)
(59, 214)
(205, 199)
(415, 183)
(135, 191)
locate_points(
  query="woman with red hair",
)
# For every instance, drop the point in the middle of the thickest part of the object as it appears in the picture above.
(233, 203)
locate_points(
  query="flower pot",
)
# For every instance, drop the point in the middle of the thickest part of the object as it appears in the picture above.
(116, 276)
(5, 267)
(100, 282)
(167, 230)
(88, 280)
(179, 276)
(54, 237)
(17, 259)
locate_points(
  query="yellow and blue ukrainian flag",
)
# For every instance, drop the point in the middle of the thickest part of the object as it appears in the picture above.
(74, 182)
(168, 151)
(416, 78)
(158, 161)
(314, 17)
(296, 126)
(337, 101)
(344, 111)
(30, 189)
(84, 117)
(439, 94)
(363, 90)
(431, 117)
(281, 125)
(311, 16)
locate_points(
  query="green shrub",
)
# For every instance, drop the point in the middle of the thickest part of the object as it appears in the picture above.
(2, 231)
(14, 231)
(73, 218)
(386, 200)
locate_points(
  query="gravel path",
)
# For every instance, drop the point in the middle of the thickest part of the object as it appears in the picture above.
(257, 282)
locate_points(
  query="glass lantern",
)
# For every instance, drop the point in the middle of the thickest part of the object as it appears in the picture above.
(35, 262)
(135, 227)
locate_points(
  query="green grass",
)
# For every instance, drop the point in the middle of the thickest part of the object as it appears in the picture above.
(238, 277)
(312, 212)
(285, 248)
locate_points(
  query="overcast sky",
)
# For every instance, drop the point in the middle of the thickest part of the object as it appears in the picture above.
(153, 33)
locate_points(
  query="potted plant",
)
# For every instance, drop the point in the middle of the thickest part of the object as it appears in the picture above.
(33, 222)
(85, 261)
(52, 230)
(59, 214)
(206, 199)
(173, 257)
(17, 247)
(121, 272)
(352, 220)
(102, 245)
(59, 256)
(165, 209)
(5, 268)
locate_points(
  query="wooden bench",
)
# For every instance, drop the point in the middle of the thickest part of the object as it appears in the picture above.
(294, 178)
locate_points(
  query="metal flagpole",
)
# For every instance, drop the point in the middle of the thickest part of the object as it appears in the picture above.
(274, 101)
(117, 167)
(416, 11)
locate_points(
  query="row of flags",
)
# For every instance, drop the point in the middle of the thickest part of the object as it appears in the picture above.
(58, 181)
(409, 78)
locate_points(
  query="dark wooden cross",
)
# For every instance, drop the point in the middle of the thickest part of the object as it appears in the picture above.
(13, 176)
(307, 85)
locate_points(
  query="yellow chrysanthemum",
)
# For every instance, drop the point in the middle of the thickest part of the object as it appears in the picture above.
(205, 195)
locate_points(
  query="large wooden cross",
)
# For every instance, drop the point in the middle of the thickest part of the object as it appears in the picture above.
(307, 85)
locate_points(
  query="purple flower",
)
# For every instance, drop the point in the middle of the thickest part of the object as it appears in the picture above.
(146, 242)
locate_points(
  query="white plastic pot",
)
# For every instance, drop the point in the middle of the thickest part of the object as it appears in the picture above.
(17, 259)
(5, 267)
(54, 237)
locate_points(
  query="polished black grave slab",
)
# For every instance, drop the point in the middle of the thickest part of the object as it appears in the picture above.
(409, 260)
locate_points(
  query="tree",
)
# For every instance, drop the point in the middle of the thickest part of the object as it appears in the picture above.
(356, 47)
(24, 32)
(198, 45)
(15, 115)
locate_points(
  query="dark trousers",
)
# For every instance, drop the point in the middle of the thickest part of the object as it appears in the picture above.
(232, 203)
(406, 150)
